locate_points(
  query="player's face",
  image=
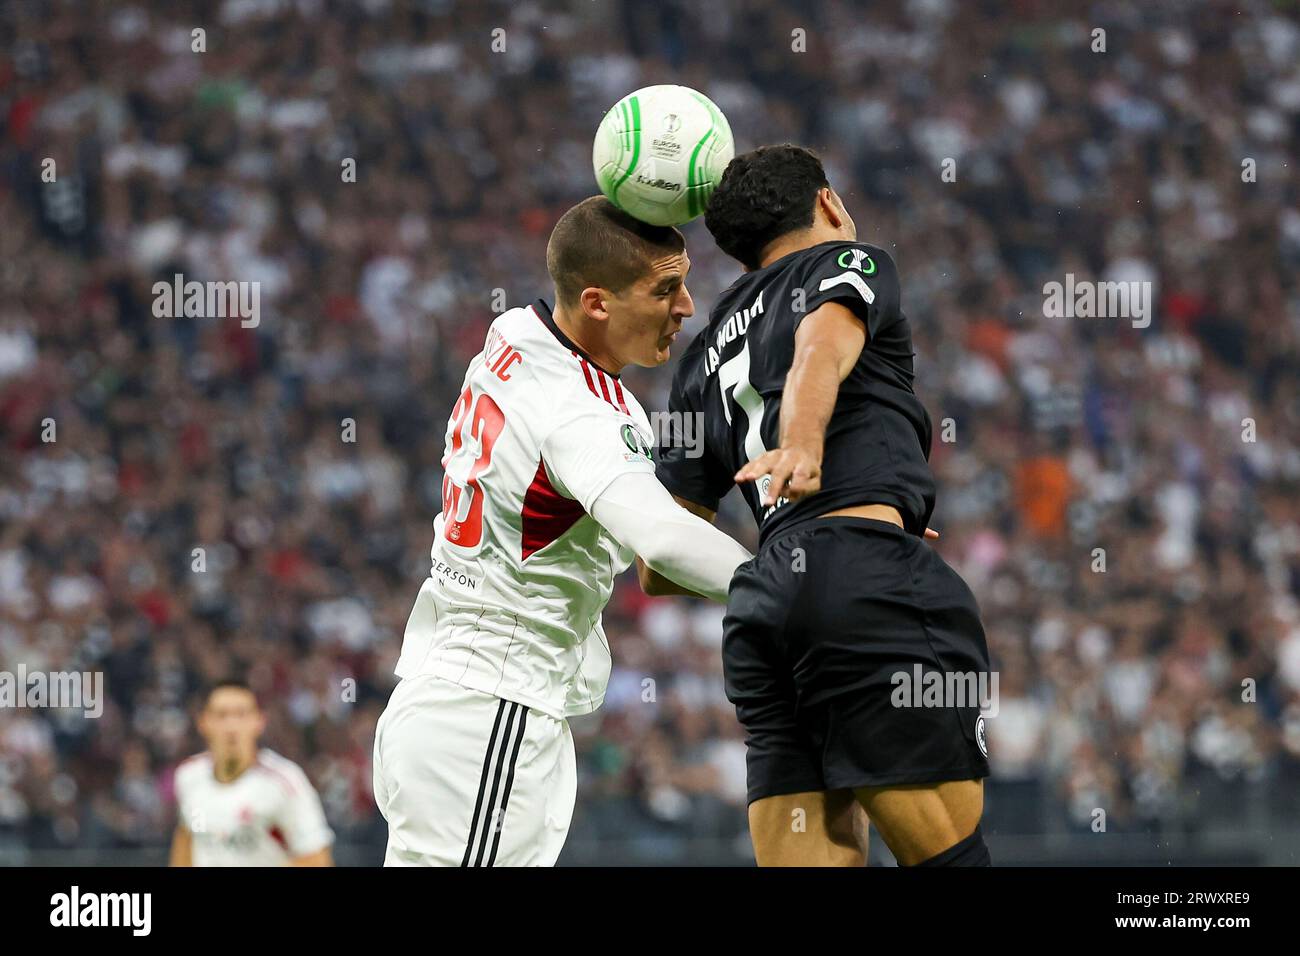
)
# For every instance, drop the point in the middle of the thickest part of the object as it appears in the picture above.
(648, 315)
(231, 723)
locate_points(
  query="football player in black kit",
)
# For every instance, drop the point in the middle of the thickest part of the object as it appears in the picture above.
(803, 378)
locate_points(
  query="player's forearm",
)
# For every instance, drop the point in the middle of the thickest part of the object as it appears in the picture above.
(182, 848)
(321, 857)
(809, 399)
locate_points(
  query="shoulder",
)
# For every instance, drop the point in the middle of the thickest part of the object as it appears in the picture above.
(589, 393)
(634, 408)
(862, 275)
(287, 775)
(563, 373)
(688, 373)
(862, 258)
(191, 770)
(194, 766)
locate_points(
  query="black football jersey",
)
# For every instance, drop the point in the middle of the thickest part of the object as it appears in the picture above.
(732, 375)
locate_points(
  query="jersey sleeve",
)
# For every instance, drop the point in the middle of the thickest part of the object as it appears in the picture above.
(302, 818)
(858, 276)
(685, 466)
(590, 446)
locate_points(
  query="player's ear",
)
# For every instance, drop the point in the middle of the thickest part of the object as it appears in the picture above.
(594, 302)
(830, 208)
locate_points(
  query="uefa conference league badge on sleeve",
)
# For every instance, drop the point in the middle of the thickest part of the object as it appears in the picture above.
(638, 445)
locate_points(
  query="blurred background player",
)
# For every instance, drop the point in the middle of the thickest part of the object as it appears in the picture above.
(549, 492)
(803, 378)
(241, 805)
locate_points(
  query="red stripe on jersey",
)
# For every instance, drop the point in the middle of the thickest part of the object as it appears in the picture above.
(587, 372)
(282, 778)
(604, 389)
(622, 405)
(546, 513)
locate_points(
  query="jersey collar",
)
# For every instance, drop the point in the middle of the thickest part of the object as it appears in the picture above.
(544, 313)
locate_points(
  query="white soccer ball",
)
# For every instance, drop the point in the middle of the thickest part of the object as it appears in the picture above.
(660, 152)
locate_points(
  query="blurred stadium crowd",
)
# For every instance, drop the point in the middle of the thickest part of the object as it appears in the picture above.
(1174, 448)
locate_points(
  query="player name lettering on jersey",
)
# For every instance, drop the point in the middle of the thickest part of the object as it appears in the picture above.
(458, 575)
(732, 329)
(499, 355)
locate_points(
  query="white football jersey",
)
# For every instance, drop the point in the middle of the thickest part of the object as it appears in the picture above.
(520, 570)
(267, 816)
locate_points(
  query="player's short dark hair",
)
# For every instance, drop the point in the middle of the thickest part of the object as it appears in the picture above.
(597, 244)
(234, 682)
(763, 195)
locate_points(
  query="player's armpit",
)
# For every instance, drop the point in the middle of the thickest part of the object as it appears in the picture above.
(182, 853)
(322, 857)
(655, 584)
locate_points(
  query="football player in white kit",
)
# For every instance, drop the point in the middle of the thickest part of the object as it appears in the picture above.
(240, 805)
(549, 492)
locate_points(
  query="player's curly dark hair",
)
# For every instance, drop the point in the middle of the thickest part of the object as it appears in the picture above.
(763, 195)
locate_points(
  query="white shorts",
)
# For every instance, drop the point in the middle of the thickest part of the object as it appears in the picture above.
(467, 779)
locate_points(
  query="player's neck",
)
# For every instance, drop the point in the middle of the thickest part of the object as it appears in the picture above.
(803, 239)
(588, 339)
(231, 768)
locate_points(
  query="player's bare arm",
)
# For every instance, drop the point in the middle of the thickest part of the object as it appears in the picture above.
(322, 857)
(654, 583)
(182, 848)
(827, 344)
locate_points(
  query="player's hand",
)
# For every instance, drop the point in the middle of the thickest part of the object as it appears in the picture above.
(931, 533)
(796, 473)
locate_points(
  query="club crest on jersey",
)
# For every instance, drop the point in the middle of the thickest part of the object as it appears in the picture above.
(636, 442)
(853, 258)
(980, 737)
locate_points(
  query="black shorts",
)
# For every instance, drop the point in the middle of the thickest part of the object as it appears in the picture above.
(853, 654)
